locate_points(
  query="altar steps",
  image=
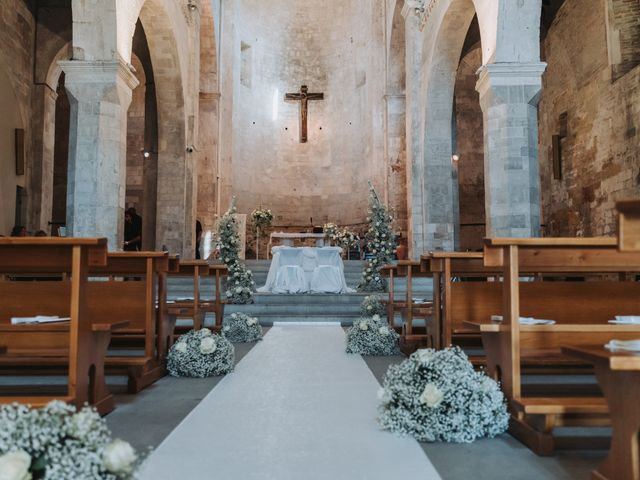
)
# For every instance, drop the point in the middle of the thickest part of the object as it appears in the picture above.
(303, 308)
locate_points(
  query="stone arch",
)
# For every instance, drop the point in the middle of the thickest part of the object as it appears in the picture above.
(174, 209)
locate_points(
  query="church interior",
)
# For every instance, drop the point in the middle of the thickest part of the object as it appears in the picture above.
(451, 188)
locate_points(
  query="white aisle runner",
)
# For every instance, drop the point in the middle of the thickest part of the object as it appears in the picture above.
(297, 407)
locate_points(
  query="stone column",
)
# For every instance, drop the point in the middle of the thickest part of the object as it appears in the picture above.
(99, 94)
(415, 167)
(509, 94)
(42, 147)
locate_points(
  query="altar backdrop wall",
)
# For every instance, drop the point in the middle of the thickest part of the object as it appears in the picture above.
(335, 47)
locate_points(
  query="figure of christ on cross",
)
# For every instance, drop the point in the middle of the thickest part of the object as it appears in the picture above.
(303, 97)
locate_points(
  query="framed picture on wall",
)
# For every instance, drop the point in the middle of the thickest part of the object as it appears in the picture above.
(19, 140)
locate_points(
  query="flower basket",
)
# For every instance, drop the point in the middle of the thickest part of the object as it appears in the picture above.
(437, 396)
(372, 336)
(56, 443)
(241, 328)
(199, 354)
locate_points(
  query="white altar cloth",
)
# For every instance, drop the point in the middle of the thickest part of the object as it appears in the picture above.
(306, 269)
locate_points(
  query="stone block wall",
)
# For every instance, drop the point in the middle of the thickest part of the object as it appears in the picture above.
(601, 149)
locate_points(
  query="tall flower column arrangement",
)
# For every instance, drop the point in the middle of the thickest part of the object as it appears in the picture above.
(380, 244)
(262, 218)
(240, 284)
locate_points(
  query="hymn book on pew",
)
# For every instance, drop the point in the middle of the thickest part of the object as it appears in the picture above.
(38, 319)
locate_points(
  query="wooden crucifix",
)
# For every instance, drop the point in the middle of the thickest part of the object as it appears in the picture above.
(303, 97)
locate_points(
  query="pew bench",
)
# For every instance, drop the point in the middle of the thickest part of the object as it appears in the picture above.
(581, 310)
(78, 344)
(188, 308)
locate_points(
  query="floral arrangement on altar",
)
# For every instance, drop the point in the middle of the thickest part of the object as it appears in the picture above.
(240, 284)
(58, 443)
(262, 217)
(380, 244)
(199, 354)
(240, 328)
(342, 237)
(372, 336)
(438, 396)
(372, 305)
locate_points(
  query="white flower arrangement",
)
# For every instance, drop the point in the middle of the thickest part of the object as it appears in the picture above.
(240, 284)
(437, 396)
(342, 237)
(372, 336)
(199, 354)
(379, 238)
(262, 217)
(241, 328)
(56, 443)
(372, 305)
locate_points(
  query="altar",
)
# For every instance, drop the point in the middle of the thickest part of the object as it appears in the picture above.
(288, 239)
(306, 270)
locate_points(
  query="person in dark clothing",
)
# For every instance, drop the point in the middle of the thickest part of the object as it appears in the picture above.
(198, 238)
(132, 232)
(19, 231)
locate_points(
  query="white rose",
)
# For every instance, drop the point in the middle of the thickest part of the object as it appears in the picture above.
(207, 346)
(15, 466)
(424, 355)
(363, 326)
(376, 317)
(383, 331)
(384, 396)
(369, 307)
(432, 395)
(227, 328)
(229, 294)
(238, 289)
(227, 260)
(118, 457)
(181, 347)
(205, 332)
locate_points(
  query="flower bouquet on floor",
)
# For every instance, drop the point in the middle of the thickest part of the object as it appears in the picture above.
(56, 443)
(239, 284)
(241, 328)
(438, 396)
(372, 305)
(380, 245)
(372, 336)
(199, 354)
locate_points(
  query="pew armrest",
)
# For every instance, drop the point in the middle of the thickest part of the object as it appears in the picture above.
(561, 405)
(109, 326)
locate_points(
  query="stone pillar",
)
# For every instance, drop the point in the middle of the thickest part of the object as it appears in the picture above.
(415, 167)
(509, 94)
(99, 94)
(208, 160)
(42, 147)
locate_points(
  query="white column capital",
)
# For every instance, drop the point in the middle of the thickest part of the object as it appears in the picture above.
(98, 72)
(495, 75)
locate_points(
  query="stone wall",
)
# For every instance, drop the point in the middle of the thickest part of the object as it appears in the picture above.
(600, 152)
(136, 142)
(17, 28)
(329, 46)
(470, 150)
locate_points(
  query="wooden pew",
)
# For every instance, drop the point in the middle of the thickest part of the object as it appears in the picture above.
(410, 340)
(79, 345)
(581, 310)
(189, 307)
(218, 271)
(629, 225)
(143, 305)
(619, 376)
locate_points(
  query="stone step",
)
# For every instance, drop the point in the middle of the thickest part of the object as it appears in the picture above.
(318, 309)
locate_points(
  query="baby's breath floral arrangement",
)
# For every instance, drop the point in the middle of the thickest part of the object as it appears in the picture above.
(380, 244)
(341, 237)
(240, 284)
(262, 217)
(438, 396)
(330, 230)
(58, 443)
(199, 354)
(241, 328)
(372, 305)
(372, 336)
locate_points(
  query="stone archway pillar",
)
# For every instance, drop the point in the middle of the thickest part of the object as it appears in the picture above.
(99, 94)
(509, 94)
